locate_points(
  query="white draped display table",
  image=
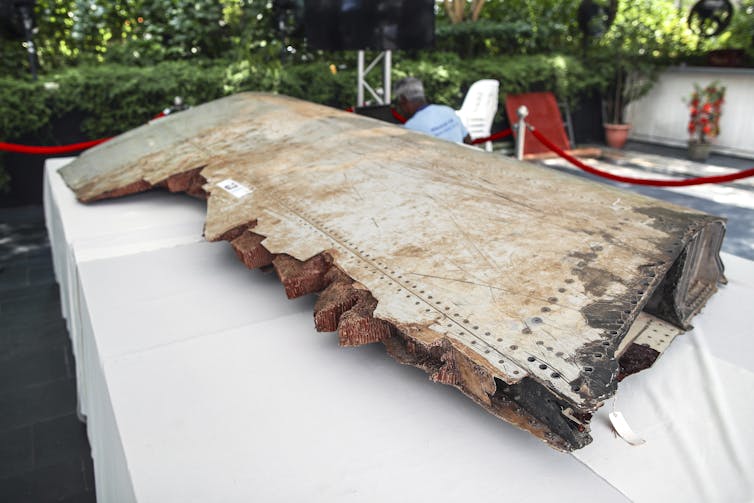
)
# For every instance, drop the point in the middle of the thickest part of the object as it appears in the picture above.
(201, 382)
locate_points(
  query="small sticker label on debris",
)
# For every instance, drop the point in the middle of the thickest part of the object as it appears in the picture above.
(234, 188)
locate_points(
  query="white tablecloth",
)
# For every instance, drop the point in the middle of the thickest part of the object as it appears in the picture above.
(201, 382)
(132, 225)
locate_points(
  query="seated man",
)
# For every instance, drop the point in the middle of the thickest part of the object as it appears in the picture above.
(436, 120)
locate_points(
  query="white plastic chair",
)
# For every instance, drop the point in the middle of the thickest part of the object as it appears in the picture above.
(479, 109)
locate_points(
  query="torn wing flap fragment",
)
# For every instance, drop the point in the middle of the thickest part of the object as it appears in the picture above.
(535, 274)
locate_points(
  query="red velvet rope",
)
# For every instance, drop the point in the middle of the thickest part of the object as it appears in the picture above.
(493, 137)
(397, 116)
(60, 149)
(640, 181)
(57, 149)
(64, 149)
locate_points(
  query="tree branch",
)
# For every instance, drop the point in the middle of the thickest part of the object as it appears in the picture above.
(476, 9)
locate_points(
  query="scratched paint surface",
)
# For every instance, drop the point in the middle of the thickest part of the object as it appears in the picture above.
(502, 258)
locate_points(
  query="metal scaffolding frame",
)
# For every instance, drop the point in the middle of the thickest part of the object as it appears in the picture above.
(362, 84)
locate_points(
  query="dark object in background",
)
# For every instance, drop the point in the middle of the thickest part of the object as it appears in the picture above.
(17, 22)
(289, 17)
(595, 18)
(586, 118)
(11, 20)
(731, 58)
(338, 25)
(379, 112)
(26, 171)
(709, 18)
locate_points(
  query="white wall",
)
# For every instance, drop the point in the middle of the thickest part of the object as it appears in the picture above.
(662, 116)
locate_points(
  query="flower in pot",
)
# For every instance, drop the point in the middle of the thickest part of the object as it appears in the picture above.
(705, 106)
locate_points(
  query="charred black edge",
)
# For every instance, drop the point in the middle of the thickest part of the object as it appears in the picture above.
(685, 274)
(692, 278)
(538, 401)
(520, 399)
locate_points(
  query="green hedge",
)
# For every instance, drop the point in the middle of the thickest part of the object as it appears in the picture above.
(112, 98)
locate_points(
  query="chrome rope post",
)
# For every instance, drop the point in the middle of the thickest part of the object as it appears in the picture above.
(522, 113)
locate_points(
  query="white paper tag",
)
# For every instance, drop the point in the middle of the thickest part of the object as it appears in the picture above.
(624, 431)
(234, 188)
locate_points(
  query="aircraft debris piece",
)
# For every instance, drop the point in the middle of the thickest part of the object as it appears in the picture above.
(530, 290)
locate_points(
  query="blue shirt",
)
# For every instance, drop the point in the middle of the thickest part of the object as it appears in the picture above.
(440, 121)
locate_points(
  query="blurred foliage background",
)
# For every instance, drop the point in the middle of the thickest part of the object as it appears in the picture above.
(145, 32)
(116, 63)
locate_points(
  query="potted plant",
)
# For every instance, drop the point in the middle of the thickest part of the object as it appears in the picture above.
(705, 105)
(631, 79)
(625, 59)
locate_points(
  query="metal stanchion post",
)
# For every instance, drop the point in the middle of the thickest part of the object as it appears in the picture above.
(360, 77)
(386, 70)
(522, 113)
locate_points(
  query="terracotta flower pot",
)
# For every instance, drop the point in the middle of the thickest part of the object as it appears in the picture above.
(699, 151)
(616, 134)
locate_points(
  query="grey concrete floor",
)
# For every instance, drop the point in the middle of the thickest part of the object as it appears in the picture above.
(734, 201)
(44, 451)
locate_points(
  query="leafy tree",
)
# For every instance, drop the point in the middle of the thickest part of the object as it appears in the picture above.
(142, 32)
(644, 37)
